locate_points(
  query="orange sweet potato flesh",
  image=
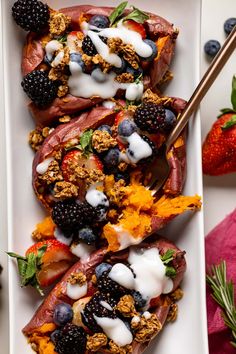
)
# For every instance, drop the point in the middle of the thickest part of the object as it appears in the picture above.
(158, 29)
(43, 317)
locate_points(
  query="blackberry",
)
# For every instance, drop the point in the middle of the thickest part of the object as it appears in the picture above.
(88, 47)
(72, 340)
(68, 215)
(96, 307)
(31, 15)
(90, 214)
(109, 286)
(150, 117)
(39, 88)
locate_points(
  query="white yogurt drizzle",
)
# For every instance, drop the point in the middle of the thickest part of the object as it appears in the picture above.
(76, 291)
(128, 37)
(43, 166)
(125, 238)
(121, 274)
(52, 47)
(115, 329)
(138, 148)
(104, 50)
(85, 85)
(109, 104)
(82, 251)
(106, 305)
(96, 198)
(61, 237)
(150, 279)
(58, 59)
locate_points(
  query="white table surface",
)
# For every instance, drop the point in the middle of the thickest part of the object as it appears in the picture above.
(219, 192)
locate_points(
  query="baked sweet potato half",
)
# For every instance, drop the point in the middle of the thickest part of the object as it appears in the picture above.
(91, 173)
(117, 58)
(104, 304)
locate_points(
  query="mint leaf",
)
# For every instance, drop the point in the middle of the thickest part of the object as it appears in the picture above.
(40, 254)
(137, 15)
(31, 267)
(168, 256)
(118, 11)
(86, 142)
(170, 272)
(230, 123)
(15, 255)
(233, 93)
(62, 39)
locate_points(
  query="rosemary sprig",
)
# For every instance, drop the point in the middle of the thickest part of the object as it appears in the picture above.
(223, 294)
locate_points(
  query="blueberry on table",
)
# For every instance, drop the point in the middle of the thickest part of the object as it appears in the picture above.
(99, 21)
(63, 314)
(154, 50)
(87, 235)
(229, 25)
(127, 127)
(212, 47)
(101, 268)
(105, 128)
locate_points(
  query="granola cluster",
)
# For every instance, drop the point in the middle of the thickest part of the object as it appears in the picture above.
(102, 141)
(125, 78)
(114, 348)
(65, 119)
(127, 50)
(77, 278)
(114, 190)
(65, 190)
(173, 313)
(37, 137)
(151, 97)
(58, 23)
(57, 74)
(88, 176)
(53, 173)
(126, 306)
(96, 342)
(146, 328)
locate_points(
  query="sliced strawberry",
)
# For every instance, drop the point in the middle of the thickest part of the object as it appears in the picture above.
(52, 272)
(137, 27)
(44, 263)
(55, 251)
(76, 158)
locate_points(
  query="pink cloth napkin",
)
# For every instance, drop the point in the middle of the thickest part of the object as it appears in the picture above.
(220, 245)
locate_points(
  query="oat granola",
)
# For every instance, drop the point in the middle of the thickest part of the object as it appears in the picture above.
(58, 23)
(77, 278)
(65, 190)
(96, 342)
(102, 141)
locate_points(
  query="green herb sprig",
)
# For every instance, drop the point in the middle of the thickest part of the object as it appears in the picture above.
(223, 294)
(230, 123)
(85, 144)
(136, 15)
(29, 266)
(166, 259)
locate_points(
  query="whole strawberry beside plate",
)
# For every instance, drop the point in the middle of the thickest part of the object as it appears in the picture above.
(219, 147)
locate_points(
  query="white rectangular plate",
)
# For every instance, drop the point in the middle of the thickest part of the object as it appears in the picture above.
(189, 332)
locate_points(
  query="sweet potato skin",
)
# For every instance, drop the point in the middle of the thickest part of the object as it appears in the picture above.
(44, 314)
(33, 54)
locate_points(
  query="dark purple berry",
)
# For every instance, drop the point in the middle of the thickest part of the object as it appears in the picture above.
(212, 47)
(229, 25)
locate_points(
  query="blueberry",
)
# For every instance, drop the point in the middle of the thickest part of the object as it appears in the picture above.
(111, 159)
(105, 128)
(170, 119)
(99, 21)
(122, 175)
(122, 69)
(135, 72)
(229, 25)
(63, 313)
(101, 268)
(154, 50)
(87, 235)
(77, 57)
(101, 212)
(139, 300)
(98, 75)
(127, 127)
(55, 336)
(212, 47)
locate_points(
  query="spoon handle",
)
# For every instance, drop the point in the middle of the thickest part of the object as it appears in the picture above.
(204, 85)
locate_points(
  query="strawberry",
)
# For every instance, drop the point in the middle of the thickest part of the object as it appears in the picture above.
(44, 263)
(219, 147)
(76, 158)
(137, 27)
